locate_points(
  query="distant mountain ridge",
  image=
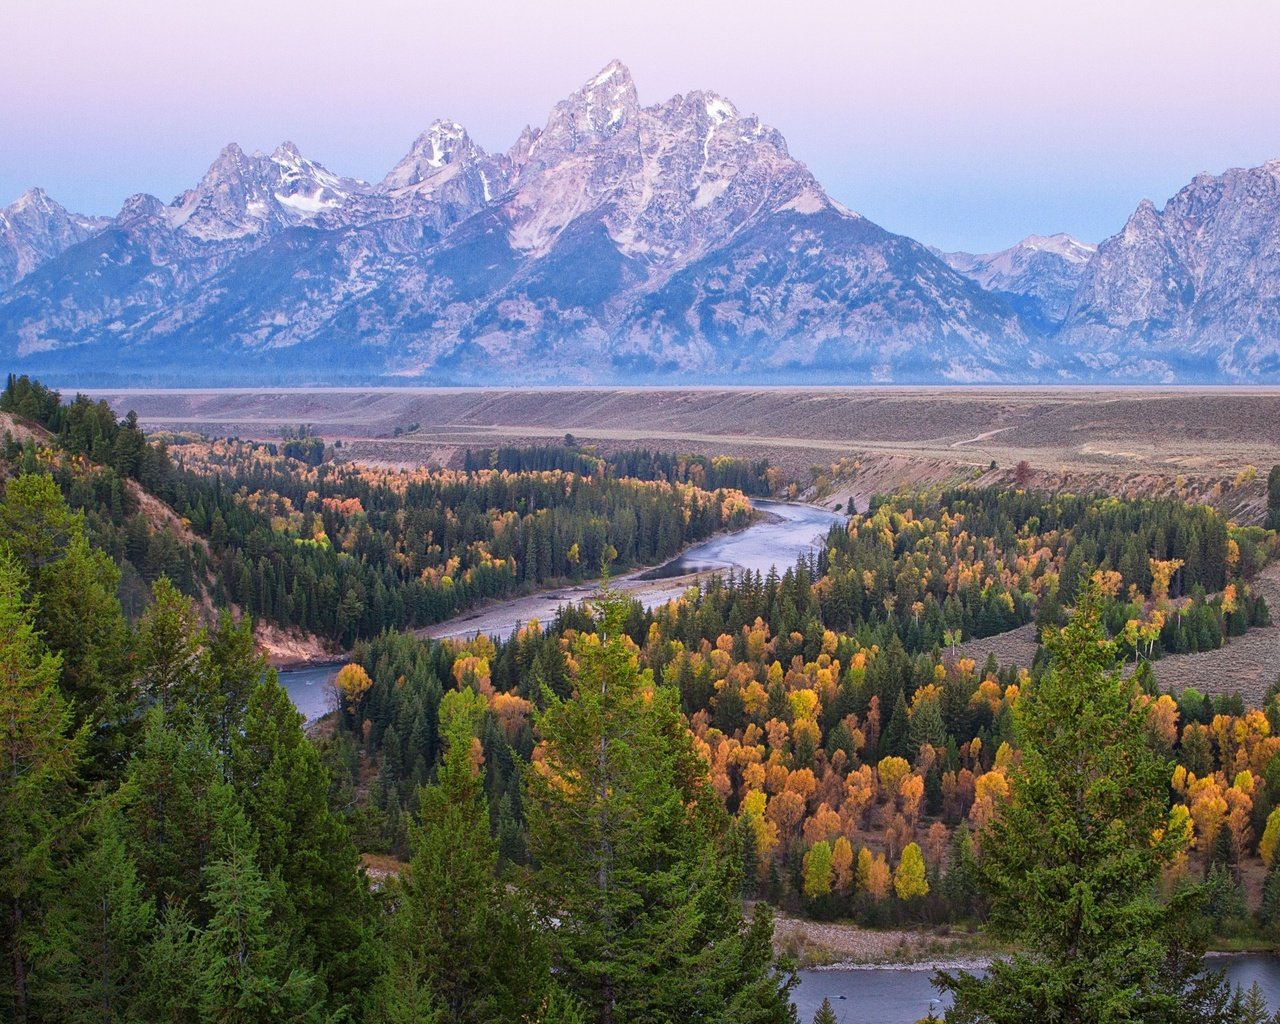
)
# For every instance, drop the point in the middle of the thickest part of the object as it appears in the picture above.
(1038, 276)
(676, 242)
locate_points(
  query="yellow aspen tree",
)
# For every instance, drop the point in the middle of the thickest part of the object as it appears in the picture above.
(1270, 838)
(879, 878)
(842, 865)
(352, 683)
(864, 869)
(909, 881)
(818, 870)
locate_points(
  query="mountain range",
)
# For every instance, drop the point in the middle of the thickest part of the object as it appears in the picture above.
(673, 243)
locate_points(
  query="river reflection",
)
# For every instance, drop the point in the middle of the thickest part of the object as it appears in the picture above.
(791, 531)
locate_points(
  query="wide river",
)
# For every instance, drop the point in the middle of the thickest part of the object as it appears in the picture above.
(902, 995)
(788, 532)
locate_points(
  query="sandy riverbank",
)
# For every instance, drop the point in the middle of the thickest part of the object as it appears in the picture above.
(829, 945)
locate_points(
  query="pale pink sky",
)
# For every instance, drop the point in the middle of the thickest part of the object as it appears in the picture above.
(963, 123)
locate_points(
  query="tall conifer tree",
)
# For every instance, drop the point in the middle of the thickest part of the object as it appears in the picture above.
(636, 857)
(461, 946)
(38, 764)
(1072, 861)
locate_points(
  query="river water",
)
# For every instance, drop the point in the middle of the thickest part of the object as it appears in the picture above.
(789, 532)
(902, 995)
(309, 688)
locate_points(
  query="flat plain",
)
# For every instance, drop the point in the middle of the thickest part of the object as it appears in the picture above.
(1188, 428)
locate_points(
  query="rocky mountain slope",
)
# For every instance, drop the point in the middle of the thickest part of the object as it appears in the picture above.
(1191, 291)
(35, 229)
(617, 241)
(677, 242)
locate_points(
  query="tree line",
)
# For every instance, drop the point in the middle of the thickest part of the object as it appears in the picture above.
(755, 478)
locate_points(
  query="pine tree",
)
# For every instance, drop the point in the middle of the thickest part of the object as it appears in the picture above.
(283, 786)
(177, 806)
(635, 852)
(562, 1008)
(36, 526)
(81, 618)
(245, 972)
(894, 741)
(173, 663)
(825, 1014)
(77, 611)
(1071, 864)
(95, 936)
(460, 944)
(238, 668)
(1253, 1007)
(927, 727)
(1269, 912)
(960, 883)
(168, 985)
(38, 762)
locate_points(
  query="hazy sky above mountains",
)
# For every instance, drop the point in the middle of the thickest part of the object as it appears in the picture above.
(962, 124)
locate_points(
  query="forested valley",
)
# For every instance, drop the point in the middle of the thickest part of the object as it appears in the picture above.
(345, 551)
(563, 825)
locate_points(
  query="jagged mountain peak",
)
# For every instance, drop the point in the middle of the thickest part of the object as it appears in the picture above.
(1040, 273)
(667, 181)
(1144, 220)
(34, 197)
(250, 194)
(622, 241)
(35, 228)
(604, 107)
(141, 205)
(1193, 284)
(716, 107)
(443, 144)
(608, 98)
(287, 153)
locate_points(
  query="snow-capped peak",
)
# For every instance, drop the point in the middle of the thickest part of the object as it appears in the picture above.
(718, 108)
(615, 69)
(608, 100)
(442, 145)
(287, 153)
(1061, 244)
(444, 141)
(242, 194)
